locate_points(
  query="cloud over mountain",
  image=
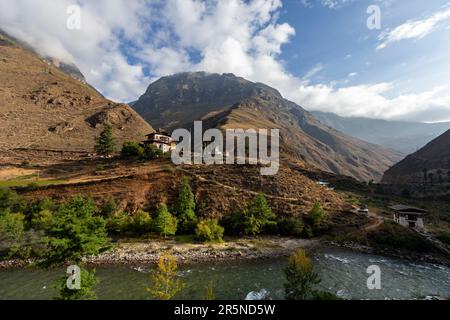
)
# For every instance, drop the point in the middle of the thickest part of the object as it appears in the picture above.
(122, 46)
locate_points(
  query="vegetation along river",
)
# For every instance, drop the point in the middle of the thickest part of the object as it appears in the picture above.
(343, 272)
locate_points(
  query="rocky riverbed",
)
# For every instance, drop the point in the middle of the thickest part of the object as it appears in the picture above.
(143, 253)
(147, 251)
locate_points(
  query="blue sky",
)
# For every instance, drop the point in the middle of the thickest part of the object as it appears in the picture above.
(339, 41)
(318, 53)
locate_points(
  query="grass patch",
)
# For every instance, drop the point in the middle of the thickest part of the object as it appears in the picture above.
(26, 183)
(444, 236)
(395, 236)
(185, 238)
(168, 168)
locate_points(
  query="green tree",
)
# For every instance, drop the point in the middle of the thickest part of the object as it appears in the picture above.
(164, 223)
(165, 282)
(11, 200)
(75, 232)
(11, 231)
(105, 144)
(253, 219)
(118, 223)
(151, 152)
(317, 216)
(300, 277)
(86, 291)
(185, 207)
(209, 231)
(41, 220)
(141, 222)
(132, 149)
(290, 226)
(261, 210)
(109, 207)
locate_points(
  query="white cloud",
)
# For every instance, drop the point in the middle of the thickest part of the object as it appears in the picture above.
(372, 101)
(120, 39)
(331, 4)
(312, 72)
(335, 4)
(413, 29)
(353, 74)
(95, 48)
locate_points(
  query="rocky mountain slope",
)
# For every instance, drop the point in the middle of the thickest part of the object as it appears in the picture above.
(430, 165)
(47, 105)
(227, 101)
(406, 137)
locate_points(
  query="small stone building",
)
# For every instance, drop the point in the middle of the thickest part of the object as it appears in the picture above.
(408, 216)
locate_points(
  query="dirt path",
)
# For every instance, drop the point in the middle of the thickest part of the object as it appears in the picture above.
(375, 225)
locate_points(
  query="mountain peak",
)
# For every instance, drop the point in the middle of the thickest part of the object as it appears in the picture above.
(177, 100)
(226, 101)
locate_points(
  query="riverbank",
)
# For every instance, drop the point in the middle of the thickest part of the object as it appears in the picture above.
(394, 253)
(144, 253)
(136, 252)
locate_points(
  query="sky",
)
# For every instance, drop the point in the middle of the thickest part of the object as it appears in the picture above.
(320, 54)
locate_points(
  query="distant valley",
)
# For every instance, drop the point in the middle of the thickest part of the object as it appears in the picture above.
(406, 137)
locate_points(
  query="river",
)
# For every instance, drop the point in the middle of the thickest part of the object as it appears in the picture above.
(343, 272)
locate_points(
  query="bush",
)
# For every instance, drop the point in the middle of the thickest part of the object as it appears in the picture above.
(444, 236)
(118, 223)
(324, 295)
(141, 223)
(253, 219)
(11, 226)
(209, 231)
(392, 235)
(41, 220)
(11, 231)
(33, 186)
(109, 207)
(164, 223)
(290, 226)
(132, 149)
(308, 232)
(151, 152)
(11, 200)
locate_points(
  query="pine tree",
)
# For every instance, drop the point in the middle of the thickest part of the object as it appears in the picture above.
(262, 212)
(86, 292)
(165, 282)
(105, 144)
(317, 215)
(164, 223)
(300, 277)
(75, 232)
(185, 207)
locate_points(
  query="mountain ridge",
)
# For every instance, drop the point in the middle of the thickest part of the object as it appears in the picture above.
(431, 164)
(406, 137)
(227, 101)
(42, 106)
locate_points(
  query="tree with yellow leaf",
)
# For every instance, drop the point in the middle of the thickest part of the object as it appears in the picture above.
(165, 282)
